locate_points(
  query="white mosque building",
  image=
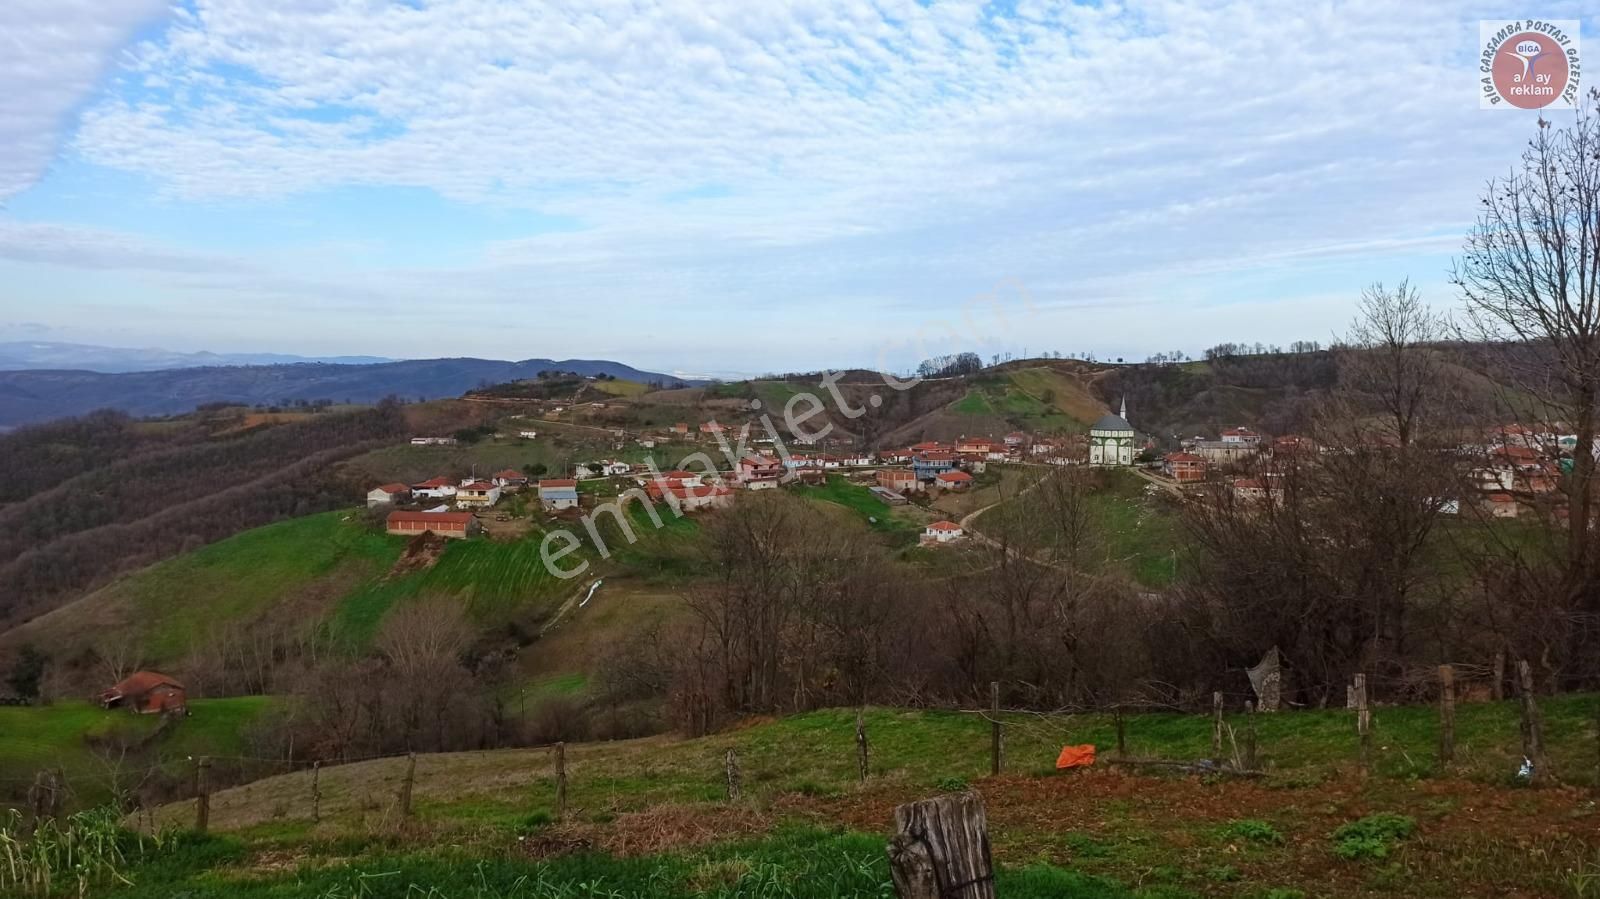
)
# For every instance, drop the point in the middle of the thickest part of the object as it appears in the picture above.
(1111, 439)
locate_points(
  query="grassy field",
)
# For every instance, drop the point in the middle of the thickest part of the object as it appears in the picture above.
(494, 579)
(1134, 531)
(619, 387)
(62, 735)
(1140, 534)
(656, 805)
(900, 524)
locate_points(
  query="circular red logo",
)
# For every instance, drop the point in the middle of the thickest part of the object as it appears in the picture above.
(1530, 70)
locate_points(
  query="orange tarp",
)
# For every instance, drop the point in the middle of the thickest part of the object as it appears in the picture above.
(1075, 756)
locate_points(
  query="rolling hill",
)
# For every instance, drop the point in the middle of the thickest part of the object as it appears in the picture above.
(41, 395)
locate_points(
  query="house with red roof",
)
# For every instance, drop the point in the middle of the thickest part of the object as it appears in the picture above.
(953, 480)
(147, 693)
(510, 480)
(434, 488)
(690, 497)
(387, 495)
(942, 532)
(1184, 467)
(477, 494)
(759, 472)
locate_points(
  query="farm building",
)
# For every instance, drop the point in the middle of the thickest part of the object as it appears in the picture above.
(446, 524)
(559, 493)
(942, 532)
(146, 692)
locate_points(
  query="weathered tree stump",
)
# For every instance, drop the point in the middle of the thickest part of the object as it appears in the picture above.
(940, 849)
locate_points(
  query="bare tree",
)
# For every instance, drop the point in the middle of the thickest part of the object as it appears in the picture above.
(1391, 361)
(1530, 275)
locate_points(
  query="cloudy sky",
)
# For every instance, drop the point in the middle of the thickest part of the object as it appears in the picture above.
(732, 186)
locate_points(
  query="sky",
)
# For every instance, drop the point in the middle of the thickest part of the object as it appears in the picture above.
(734, 187)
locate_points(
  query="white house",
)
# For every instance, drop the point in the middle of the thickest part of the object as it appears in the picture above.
(609, 468)
(478, 494)
(528, 435)
(387, 494)
(437, 488)
(433, 441)
(942, 532)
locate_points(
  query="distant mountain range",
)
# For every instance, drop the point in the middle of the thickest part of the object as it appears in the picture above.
(42, 394)
(87, 357)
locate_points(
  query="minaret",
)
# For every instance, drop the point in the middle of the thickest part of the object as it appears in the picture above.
(1124, 412)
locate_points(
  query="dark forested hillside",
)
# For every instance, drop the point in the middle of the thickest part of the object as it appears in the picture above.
(93, 497)
(33, 396)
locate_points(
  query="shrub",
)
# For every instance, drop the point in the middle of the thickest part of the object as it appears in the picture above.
(1372, 837)
(950, 784)
(1254, 831)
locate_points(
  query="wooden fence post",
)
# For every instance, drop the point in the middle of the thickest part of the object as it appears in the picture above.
(1216, 727)
(731, 768)
(44, 797)
(1249, 735)
(561, 781)
(408, 784)
(1122, 733)
(996, 738)
(940, 849)
(1363, 724)
(1447, 715)
(202, 794)
(1597, 746)
(1532, 727)
(1497, 688)
(861, 746)
(316, 792)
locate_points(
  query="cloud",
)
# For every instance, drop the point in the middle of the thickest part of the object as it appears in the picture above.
(52, 54)
(862, 158)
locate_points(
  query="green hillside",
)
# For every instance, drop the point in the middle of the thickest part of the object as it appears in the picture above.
(331, 568)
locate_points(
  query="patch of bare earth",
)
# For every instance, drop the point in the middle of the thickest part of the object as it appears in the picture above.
(1515, 842)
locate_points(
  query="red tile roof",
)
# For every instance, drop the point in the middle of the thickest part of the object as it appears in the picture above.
(143, 682)
(944, 526)
(957, 476)
(478, 485)
(429, 518)
(558, 483)
(511, 474)
(435, 483)
(394, 488)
